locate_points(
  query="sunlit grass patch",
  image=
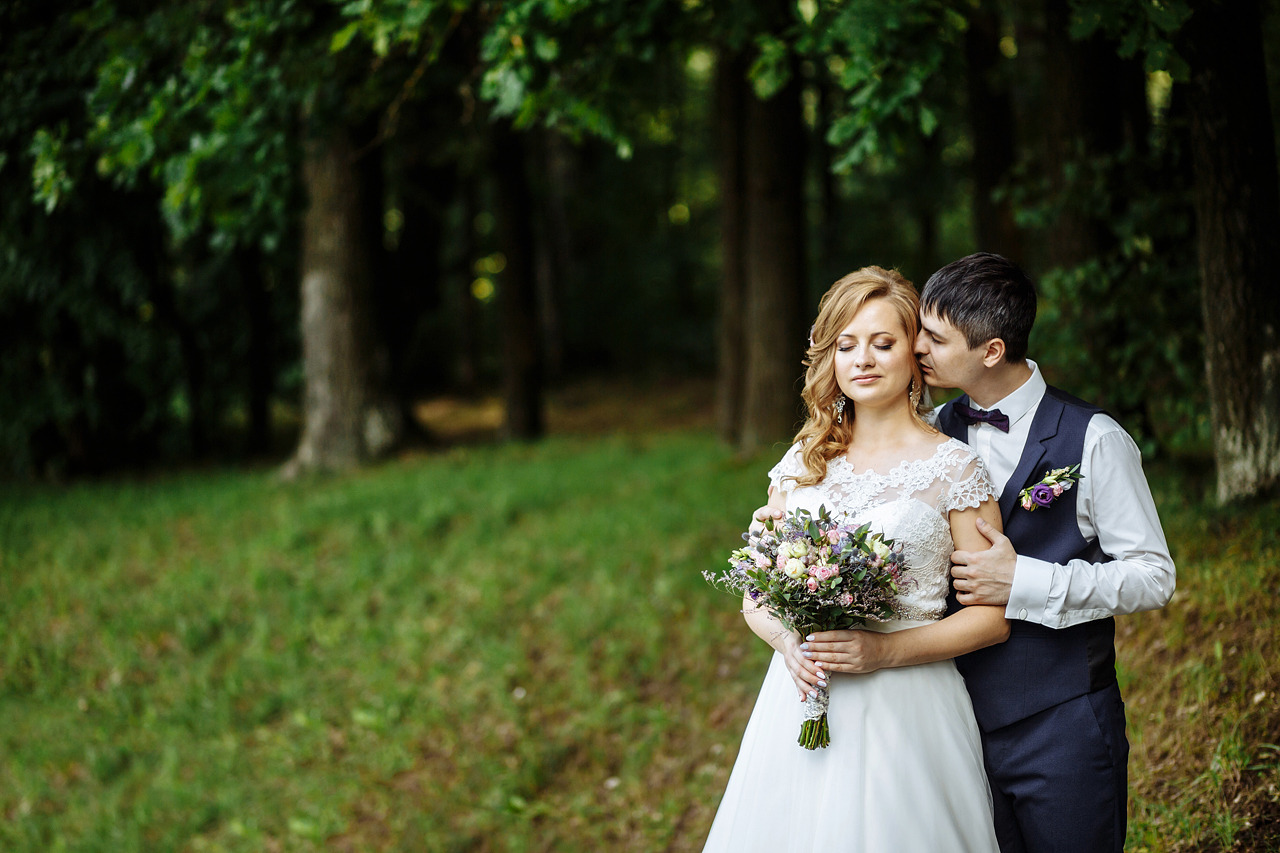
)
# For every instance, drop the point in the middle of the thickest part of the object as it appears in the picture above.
(456, 652)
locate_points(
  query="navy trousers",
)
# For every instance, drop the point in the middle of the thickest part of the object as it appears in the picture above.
(1060, 778)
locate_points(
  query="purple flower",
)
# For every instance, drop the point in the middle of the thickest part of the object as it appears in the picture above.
(1043, 494)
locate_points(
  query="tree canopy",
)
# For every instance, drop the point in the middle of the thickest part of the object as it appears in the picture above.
(535, 189)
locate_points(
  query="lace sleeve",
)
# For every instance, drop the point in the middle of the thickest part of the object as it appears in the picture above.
(971, 482)
(783, 475)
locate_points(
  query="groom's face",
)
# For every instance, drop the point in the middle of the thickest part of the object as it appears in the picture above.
(944, 355)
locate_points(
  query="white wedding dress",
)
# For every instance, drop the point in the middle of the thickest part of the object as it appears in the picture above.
(904, 769)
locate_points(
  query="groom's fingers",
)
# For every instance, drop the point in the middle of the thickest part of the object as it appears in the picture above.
(989, 531)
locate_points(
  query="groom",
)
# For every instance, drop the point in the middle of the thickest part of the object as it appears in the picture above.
(1069, 560)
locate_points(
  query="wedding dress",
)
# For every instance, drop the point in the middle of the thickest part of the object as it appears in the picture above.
(904, 769)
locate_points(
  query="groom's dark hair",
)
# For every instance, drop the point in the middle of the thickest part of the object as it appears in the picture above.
(984, 296)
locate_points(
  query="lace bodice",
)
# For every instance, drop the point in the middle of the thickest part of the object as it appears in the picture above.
(908, 504)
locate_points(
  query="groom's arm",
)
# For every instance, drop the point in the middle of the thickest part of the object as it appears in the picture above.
(1116, 507)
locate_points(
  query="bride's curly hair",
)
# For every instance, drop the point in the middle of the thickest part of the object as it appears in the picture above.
(821, 438)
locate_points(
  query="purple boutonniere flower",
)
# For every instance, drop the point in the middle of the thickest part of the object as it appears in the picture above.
(1048, 490)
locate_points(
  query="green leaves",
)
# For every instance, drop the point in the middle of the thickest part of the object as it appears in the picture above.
(1148, 28)
(49, 178)
(771, 70)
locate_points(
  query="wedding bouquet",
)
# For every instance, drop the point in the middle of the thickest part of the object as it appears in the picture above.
(815, 574)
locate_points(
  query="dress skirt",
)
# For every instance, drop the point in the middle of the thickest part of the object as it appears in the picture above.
(903, 772)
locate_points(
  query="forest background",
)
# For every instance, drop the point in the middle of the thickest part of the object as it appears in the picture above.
(307, 237)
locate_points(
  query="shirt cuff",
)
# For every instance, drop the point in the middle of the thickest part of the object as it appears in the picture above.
(1029, 594)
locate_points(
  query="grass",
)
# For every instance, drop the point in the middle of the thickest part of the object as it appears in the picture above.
(501, 648)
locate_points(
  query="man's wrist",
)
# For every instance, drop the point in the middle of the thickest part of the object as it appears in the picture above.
(1029, 591)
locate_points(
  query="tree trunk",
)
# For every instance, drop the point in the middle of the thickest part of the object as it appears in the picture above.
(335, 311)
(775, 269)
(165, 299)
(557, 258)
(410, 289)
(260, 367)
(731, 93)
(1094, 104)
(466, 371)
(991, 121)
(518, 293)
(1237, 201)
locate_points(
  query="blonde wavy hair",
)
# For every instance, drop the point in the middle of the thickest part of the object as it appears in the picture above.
(821, 438)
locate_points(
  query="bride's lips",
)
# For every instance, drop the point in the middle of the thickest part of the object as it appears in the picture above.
(865, 379)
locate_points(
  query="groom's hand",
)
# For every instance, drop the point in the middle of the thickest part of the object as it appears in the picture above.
(985, 577)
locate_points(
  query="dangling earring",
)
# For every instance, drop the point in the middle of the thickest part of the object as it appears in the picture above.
(839, 407)
(914, 391)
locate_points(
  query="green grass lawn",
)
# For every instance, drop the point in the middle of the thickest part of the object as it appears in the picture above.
(498, 648)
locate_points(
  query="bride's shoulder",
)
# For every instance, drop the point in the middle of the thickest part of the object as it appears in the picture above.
(956, 454)
(789, 467)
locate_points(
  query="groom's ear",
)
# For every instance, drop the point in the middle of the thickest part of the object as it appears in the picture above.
(993, 352)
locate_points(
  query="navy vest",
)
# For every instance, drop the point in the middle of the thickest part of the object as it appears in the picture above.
(1039, 667)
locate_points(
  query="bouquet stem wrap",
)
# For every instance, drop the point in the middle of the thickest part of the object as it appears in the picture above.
(814, 731)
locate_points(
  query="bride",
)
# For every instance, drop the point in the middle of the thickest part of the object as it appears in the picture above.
(904, 770)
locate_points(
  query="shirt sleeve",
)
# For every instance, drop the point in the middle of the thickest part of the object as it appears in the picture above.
(1115, 506)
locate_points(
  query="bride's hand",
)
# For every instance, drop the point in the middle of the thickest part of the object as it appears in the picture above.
(804, 672)
(846, 651)
(768, 511)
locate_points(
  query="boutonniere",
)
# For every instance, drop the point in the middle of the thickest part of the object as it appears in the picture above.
(1046, 491)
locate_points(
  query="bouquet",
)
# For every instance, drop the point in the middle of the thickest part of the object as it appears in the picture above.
(815, 574)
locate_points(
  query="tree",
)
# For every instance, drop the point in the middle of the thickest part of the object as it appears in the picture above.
(732, 89)
(106, 348)
(1215, 50)
(573, 68)
(774, 261)
(1237, 205)
(239, 110)
(994, 131)
(336, 337)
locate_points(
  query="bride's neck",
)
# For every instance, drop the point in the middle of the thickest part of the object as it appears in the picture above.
(882, 427)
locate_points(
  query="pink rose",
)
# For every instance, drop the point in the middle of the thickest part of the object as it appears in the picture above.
(1058, 489)
(1027, 503)
(812, 583)
(825, 573)
(846, 600)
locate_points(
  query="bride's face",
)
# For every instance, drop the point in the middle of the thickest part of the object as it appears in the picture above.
(874, 356)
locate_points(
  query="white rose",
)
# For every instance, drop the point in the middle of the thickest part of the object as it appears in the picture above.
(795, 569)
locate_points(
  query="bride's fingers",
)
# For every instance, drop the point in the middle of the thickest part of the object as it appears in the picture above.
(827, 638)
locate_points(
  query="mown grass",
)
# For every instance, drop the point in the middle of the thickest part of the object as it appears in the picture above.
(497, 648)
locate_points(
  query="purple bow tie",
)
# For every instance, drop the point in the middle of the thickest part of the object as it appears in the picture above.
(995, 417)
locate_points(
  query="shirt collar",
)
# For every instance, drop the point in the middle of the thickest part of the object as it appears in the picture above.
(1023, 399)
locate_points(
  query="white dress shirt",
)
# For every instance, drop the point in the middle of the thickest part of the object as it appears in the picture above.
(1113, 504)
